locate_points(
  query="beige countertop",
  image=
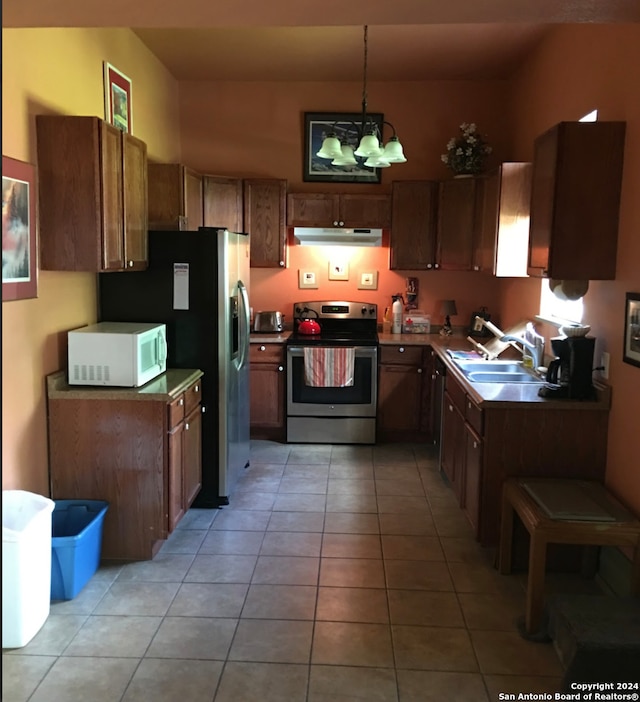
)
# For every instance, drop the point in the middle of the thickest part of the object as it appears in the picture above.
(165, 387)
(272, 338)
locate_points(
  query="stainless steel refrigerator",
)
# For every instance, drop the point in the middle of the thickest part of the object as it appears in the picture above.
(197, 284)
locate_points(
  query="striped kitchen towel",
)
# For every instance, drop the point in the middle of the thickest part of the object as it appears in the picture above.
(328, 367)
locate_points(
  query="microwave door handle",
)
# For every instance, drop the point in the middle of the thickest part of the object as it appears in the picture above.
(244, 336)
(161, 349)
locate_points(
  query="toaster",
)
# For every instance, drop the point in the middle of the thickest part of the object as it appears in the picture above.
(268, 322)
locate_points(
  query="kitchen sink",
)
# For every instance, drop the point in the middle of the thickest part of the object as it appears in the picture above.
(497, 372)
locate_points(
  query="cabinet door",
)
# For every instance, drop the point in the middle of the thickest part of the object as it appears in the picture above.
(453, 448)
(192, 455)
(456, 223)
(112, 165)
(264, 218)
(193, 199)
(223, 203)
(365, 211)
(175, 485)
(135, 202)
(399, 399)
(267, 396)
(313, 210)
(413, 224)
(472, 477)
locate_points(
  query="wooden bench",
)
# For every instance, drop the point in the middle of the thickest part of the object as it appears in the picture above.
(591, 517)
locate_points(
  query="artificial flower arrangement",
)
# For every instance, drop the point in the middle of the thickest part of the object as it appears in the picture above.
(467, 153)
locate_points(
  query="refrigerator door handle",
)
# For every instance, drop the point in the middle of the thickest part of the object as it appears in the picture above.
(244, 339)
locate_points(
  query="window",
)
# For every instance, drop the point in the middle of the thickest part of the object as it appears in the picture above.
(558, 311)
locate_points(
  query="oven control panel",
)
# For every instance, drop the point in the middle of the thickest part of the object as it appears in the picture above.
(336, 309)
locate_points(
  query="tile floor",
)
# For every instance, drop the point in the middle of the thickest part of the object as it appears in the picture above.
(337, 573)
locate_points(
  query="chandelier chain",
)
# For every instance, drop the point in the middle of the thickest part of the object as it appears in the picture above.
(364, 79)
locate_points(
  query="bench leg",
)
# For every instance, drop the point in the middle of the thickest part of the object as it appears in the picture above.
(506, 535)
(535, 584)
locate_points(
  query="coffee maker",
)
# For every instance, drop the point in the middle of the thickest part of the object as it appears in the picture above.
(570, 374)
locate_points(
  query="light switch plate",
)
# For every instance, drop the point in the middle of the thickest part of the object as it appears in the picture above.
(368, 280)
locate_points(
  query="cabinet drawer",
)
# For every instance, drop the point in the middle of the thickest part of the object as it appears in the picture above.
(473, 415)
(404, 355)
(176, 411)
(192, 396)
(456, 392)
(266, 353)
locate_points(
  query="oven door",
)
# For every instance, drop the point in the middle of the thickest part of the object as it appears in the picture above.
(357, 400)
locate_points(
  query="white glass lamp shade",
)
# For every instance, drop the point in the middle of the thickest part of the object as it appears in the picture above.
(393, 151)
(377, 161)
(330, 147)
(369, 145)
(346, 158)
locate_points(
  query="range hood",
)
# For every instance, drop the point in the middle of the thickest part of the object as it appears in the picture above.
(317, 236)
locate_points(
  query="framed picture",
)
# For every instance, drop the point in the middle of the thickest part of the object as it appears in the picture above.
(317, 125)
(631, 353)
(338, 270)
(19, 265)
(117, 99)
(307, 279)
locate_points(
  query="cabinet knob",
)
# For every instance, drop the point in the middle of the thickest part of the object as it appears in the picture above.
(429, 265)
(436, 265)
(401, 349)
(130, 264)
(476, 268)
(186, 426)
(419, 370)
(341, 223)
(196, 389)
(181, 402)
(263, 348)
(335, 222)
(475, 444)
(280, 368)
(203, 409)
(469, 405)
(450, 408)
(282, 264)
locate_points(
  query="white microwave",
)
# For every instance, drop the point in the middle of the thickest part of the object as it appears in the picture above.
(126, 354)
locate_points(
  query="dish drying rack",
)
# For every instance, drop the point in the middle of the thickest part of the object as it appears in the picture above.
(494, 347)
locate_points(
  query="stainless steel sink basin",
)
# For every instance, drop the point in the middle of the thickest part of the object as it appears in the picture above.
(497, 372)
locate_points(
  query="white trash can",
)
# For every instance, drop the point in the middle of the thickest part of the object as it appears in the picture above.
(26, 565)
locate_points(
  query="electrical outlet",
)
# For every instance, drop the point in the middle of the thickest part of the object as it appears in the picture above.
(605, 365)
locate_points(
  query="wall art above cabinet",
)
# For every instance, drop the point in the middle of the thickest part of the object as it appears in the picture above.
(92, 195)
(575, 201)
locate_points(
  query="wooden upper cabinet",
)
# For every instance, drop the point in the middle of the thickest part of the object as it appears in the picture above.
(223, 202)
(575, 201)
(458, 221)
(503, 242)
(92, 195)
(338, 210)
(175, 197)
(413, 224)
(264, 220)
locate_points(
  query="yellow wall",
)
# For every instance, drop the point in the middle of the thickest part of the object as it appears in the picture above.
(60, 71)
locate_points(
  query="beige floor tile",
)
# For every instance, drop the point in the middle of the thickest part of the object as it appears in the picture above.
(169, 680)
(497, 612)
(397, 473)
(314, 486)
(349, 684)
(263, 682)
(393, 454)
(404, 488)
(194, 638)
(221, 569)
(79, 679)
(341, 643)
(21, 674)
(346, 486)
(301, 471)
(433, 648)
(164, 568)
(345, 502)
(262, 470)
(116, 636)
(402, 504)
(296, 521)
(351, 546)
(54, 636)
(418, 575)
(286, 570)
(477, 577)
(413, 523)
(184, 541)
(310, 454)
(351, 471)
(280, 602)
(138, 598)
(432, 686)
(232, 543)
(351, 572)
(300, 503)
(291, 544)
(349, 523)
(466, 549)
(452, 523)
(259, 501)
(416, 548)
(85, 601)
(424, 608)
(352, 604)
(257, 483)
(241, 520)
(518, 684)
(351, 453)
(507, 653)
(272, 641)
(201, 519)
(209, 600)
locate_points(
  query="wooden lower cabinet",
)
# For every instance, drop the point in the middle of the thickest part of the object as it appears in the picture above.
(137, 448)
(452, 460)
(268, 399)
(404, 393)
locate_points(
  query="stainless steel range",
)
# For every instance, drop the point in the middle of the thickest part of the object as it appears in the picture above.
(340, 408)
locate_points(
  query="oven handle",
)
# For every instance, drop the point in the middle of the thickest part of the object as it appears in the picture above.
(361, 351)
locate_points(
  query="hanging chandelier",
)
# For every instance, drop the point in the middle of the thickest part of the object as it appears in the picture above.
(366, 133)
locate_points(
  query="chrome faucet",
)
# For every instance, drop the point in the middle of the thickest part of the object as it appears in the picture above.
(535, 351)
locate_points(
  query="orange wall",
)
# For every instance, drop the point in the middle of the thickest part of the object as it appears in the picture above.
(60, 71)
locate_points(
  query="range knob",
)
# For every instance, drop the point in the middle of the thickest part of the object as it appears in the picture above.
(372, 310)
(364, 310)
